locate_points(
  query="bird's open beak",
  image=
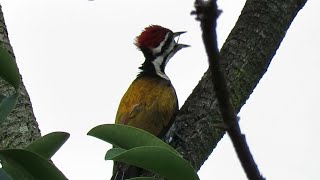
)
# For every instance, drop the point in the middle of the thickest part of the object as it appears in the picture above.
(177, 34)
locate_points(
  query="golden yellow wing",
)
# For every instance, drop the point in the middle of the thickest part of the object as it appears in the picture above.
(150, 103)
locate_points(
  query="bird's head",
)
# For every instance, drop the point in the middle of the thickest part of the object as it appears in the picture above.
(158, 45)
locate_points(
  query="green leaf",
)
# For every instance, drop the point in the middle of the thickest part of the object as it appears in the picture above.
(158, 160)
(49, 144)
(2, 97)
(6, 106)
(127, 137)
(23, 164)
(8, 68)
(111, 153)
(4, 175)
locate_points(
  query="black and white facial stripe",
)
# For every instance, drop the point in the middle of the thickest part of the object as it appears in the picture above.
(163, 53)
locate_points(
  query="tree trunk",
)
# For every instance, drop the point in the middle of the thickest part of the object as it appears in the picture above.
(245, 57)
(20, 128)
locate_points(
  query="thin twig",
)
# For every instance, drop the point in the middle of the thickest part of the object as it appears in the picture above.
(207, 13)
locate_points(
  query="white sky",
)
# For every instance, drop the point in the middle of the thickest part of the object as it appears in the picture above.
(77, 58)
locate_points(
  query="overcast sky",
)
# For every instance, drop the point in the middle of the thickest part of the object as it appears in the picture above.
(77, 58)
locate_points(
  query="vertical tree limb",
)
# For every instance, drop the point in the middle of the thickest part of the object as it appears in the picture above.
(207, 13)
(20, 128)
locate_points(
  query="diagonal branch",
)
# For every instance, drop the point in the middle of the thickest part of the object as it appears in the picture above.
(207, 13)
(245, 57)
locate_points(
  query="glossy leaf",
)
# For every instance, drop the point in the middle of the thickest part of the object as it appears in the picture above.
(111, 153)
(49, 144)
(8, 68)
(2, 97)
(127, 137)
(23, 164)
(4, 175)
(6, 106)
(158, 160)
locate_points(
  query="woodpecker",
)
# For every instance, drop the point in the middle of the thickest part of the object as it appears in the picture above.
(150, 102)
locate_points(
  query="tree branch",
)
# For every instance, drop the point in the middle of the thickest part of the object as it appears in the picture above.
(207, 13)
(20, 128)
(245, 57)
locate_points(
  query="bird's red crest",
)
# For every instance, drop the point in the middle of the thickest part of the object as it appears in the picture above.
(151, 37)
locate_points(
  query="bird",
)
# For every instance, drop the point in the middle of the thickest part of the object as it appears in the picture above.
(150, 103)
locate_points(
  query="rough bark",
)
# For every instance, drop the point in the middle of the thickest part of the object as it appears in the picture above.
(245, 57)
(20, 128)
